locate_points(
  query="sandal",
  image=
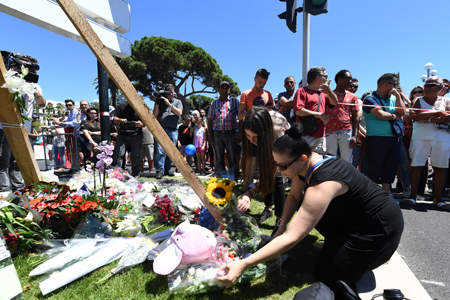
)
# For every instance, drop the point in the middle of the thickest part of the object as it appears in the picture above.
(409, 201)
(442, 205)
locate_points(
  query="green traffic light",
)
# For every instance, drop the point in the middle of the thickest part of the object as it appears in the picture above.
(318, 2)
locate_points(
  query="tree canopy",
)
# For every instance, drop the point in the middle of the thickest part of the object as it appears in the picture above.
(172, 61)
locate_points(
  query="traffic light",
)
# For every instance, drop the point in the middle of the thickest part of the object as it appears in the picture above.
(291, 14)
(316, 7)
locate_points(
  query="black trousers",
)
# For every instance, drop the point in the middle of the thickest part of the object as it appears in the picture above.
(277, 196)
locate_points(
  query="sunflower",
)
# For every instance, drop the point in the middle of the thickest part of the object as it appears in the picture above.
(219, 192)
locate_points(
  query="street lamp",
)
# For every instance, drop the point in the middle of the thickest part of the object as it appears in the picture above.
(423, 77)
(428, 67)
(433, 72)
(199, 101)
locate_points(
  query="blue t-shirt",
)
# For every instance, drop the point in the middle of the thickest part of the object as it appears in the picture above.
(289, 113)
(374, 125)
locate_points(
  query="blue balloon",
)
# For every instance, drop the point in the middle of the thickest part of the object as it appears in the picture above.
(190, 149)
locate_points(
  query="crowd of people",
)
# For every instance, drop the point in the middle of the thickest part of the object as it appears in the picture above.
(341, 155)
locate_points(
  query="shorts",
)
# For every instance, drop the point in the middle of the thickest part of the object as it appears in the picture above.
(420, 150)
(316, 143)
(147, 150)
(199, 150)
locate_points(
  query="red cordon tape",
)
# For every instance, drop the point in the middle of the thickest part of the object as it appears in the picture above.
(368, 105)
(104, 113)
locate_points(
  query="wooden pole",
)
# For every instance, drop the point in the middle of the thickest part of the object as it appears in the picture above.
(121, 80)
(17, 136)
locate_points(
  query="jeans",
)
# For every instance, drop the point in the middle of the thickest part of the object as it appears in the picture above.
(162, 161)
(58, 156)
(9, 170)
(404, 161)
(277, 196)
(222, 141)
(340, 139)
(135, 143)
(316, 143)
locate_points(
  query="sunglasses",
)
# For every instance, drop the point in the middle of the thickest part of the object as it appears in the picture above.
(354, 87)
(285, 167)
(69, 105)
(417, 92)
(430, 85)
(93, 113)
(290, 82)
(324, 76)
(394, 84)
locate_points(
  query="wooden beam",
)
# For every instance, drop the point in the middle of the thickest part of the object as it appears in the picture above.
(135, 100)
(17, 136)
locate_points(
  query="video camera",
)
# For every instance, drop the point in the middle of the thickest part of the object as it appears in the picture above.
(16, 61)
(159, 92)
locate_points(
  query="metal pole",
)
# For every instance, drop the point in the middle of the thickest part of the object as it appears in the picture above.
(103, 101)
(428, 73)
(305, 46)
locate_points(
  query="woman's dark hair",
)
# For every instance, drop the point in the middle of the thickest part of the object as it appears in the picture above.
(411, 96)
(88, 111)
(292, 144)
(258, 121)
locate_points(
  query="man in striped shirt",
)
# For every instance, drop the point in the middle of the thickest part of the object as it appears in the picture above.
(222, 123)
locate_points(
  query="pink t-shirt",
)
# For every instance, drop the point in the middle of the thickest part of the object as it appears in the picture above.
(307, 98)
(341, 115)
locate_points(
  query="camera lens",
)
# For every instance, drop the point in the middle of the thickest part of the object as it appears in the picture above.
(393, 294)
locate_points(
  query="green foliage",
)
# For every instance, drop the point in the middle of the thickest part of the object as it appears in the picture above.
(195, 100)
(172, 61)
(37, 124)
(49, 111)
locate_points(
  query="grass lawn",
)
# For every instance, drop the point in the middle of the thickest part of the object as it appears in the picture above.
(141, 283)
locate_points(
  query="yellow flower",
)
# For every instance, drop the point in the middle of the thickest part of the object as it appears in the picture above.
(211, 180)
(219, 192)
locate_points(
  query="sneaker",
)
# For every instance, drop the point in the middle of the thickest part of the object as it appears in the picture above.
(267, 213)
(159, 175)
(169, 173)
(420, 197)
(277, 225)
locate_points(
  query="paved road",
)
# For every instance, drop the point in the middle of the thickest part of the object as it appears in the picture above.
(425, 247)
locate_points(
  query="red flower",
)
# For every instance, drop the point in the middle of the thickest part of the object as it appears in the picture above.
(77, 199)
(42, 205)
(11, 238)
(46, 191)
(87, 205)
(68, 219)
(54, 205)
(75, 209)
(50, 214)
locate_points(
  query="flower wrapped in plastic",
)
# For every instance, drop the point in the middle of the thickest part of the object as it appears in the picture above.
(168, 209)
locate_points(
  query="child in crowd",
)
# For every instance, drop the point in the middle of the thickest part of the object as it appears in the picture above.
(200, 133)
(185, 137)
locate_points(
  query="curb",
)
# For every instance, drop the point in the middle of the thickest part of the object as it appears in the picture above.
(394, 275)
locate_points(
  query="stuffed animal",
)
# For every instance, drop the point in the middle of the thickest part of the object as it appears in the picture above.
(189, 244)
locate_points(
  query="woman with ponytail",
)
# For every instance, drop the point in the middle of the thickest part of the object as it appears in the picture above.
(361, 223)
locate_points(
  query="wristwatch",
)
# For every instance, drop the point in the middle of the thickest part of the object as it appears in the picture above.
(171, 105)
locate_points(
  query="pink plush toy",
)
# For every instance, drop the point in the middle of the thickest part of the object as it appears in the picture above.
(189, 244)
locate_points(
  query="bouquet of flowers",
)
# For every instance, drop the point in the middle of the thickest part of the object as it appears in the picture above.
(168, 209)
(235, 225)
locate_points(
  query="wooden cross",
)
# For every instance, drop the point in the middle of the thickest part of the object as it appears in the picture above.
(17, 136)
(134, 99)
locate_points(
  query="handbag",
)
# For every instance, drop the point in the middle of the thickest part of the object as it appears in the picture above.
(317, 291)
(443, 126)
(397, 126)
(309, 122)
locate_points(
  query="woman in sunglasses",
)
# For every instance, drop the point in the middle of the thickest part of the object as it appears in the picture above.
(91, 130)
(261, 127)
(361, 224)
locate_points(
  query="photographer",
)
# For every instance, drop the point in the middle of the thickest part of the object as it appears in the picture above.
(129, 134)
(167, 111)
(9, 170)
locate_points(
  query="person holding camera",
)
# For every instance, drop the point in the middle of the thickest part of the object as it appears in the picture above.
(129, 134)
(9, 170)
(167, 111)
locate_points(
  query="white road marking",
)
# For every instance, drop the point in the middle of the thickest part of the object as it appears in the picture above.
(433, 282)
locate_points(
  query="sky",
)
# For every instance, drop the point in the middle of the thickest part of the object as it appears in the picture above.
(368, 38)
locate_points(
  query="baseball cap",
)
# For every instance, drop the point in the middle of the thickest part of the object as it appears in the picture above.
(224, 82)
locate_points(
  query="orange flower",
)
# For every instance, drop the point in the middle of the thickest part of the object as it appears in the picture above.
(87, 205)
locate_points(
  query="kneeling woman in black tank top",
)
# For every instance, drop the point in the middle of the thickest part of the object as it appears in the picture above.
(361, 223)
